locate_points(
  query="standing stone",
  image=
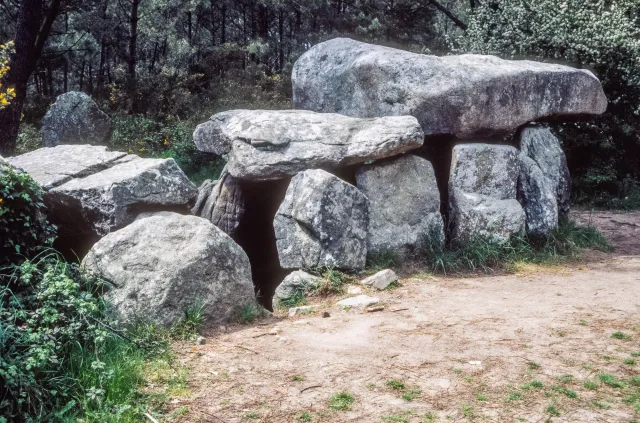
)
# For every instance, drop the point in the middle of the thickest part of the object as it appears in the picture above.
(467, 96)
(221, 202)
(537, 196)
(75, 119)
(273, 144)
(538, 143)
(322, 222)
(404, 203)
(164, 263)
(482, 193)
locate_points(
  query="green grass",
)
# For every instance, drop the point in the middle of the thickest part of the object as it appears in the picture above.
(250, 312)
(635, 354)
(569, 393)
(187, 328)
(481, 396)
(297, 378)
(297, 299)
(634, 381)
(396, 385)
(534, 384)
(411, 395)
(610, 380)
(630, 361)
(341, 401)
(468, 411)
(304, 417)
(551, 409)
(533, 365)
(514, 396)
(481, 254)
(395, 418)
(382, 260)
(621, 335)
(252, 415)
(601, 405)
(565, 378)
(333, 282)
(590, 385)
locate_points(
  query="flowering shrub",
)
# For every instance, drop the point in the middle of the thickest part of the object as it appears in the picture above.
(5, 94)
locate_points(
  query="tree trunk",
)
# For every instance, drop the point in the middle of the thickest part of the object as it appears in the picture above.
(132, 56)
(32, 30)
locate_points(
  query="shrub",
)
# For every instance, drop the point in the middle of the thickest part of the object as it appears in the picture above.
(6, 94)
(24, 229)
(599, 35)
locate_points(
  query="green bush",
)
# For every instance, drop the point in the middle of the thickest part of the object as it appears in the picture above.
(599, 35)
(24, 229)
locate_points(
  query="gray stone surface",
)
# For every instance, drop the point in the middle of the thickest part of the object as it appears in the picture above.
(381, 280)
(75, 119)
(404, 204)
(538, 143)
(482, 193)
(537, 195)
(322, 222)
(297, 281)
(112, 198)
(361, 301)
(54, 166)
(466, 95)
(221, 202)
(164, 263)
(268, 144)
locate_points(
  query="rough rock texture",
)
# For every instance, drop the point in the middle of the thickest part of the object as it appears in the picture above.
(404, 203)
(267, 144)
(322, 222)
(537, 195)
(538, 143)
(296, 282)
(381, 280)
(91, 191)
(361, 301)
(164, 263)
(466, 95)
(482, 192)
(221, 202)
(54, 166)
(75, 119)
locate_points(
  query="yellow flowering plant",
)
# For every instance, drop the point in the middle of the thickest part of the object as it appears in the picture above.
(6, 94)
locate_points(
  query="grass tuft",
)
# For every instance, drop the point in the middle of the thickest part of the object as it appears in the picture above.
(621, 335)
(610, 380)
(396, 385)
(341, 401)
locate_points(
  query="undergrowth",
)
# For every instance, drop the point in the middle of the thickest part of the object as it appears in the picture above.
(483, 254)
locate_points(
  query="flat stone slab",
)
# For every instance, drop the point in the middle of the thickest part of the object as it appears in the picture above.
(53, 166)
(467, 95)
(271, 144)
(361, 301)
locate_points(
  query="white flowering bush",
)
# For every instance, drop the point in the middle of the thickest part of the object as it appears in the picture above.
(600, 35)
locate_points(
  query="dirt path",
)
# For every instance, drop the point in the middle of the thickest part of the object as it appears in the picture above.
(459, 349)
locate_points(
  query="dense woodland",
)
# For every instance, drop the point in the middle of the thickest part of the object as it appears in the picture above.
(161, 66)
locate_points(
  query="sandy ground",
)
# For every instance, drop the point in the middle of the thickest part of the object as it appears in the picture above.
(463, 349)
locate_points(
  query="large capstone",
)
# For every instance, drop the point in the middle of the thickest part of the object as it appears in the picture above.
(322, 222)
(75, 119)
(482, 193)
(165, 263)
(267, 144)
(538, 143)
(221, 202)
(404, 204)
(467, 95)
(91, 192)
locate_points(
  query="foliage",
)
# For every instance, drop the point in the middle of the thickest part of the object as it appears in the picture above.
(24, 229)
(341, 401)
(250, 312)
(485, 255)
(601, 35)
(333, 281)
(173, 138)
(6, 94)
(29, 139)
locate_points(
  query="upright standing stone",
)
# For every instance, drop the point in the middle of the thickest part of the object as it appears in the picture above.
(221, 202)
(467, 96)
(482, 193)
(538, 143)
(537, 195)
(404, 203)
(322, 222)
(75, 119)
